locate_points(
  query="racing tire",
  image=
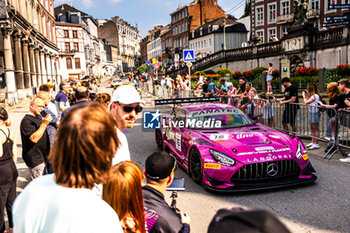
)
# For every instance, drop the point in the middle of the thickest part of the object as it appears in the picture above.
(195, 166)
(159, 139)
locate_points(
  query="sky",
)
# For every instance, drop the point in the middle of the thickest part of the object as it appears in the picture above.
(145, 13)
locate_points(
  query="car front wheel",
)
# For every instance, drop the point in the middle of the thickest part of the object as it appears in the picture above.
(196, 170)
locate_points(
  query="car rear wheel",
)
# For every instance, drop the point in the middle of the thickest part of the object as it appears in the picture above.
(196, 171)
(159, 139)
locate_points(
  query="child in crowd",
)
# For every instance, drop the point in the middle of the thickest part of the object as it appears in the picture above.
(253, 102)
(311, 98)
(268, 110)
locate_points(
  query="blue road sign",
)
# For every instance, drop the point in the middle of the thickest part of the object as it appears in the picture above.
(188, 55)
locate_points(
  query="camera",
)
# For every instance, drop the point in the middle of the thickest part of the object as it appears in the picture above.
(43, 113)
(178, 184)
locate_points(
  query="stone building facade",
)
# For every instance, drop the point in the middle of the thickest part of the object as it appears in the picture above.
(275, 17)
(92, 47)
(28, 50)
(70, 41)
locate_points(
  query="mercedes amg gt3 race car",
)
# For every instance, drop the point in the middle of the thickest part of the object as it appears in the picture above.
(221, 148)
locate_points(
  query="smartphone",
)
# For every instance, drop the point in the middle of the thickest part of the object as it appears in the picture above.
(43, 113)
(178, 184)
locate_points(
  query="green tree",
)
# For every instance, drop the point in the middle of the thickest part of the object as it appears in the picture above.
(141, 68)
(247, 9)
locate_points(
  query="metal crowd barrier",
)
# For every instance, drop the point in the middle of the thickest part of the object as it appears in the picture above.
(166, 93)
(271, 113)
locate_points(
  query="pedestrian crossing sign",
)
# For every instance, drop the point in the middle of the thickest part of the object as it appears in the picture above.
(188, 55)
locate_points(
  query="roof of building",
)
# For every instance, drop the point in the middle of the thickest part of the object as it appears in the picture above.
(63, 8)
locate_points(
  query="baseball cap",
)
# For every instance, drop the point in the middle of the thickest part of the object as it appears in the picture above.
(229, 84)
(238, 220)
(159, 165)
(126, 94)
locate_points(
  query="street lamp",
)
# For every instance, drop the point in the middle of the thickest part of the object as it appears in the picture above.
(224, 23)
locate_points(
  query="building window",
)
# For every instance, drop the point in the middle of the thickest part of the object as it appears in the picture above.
(67, 47)
(271, 33)
(69, 63)
(75, 34)
(272, 13)
(285, 8)
(205, 43)
(328, 3)
(76, 47)
(77, 63)
(66, 34)
(260, 15)
(209, 42)
(314, 4)
(260, 33)
(284, 31)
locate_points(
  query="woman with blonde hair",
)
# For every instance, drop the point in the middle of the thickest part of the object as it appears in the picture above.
(311, 98)
(8, 170)
(336, 102)
(123, 192)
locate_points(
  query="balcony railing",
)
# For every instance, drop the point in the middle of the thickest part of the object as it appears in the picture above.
(311, 14)
(282, 19)
(330, 36)
(69, 51)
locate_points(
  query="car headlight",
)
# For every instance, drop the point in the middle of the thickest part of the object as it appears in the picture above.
(222, 158)
(299, 152)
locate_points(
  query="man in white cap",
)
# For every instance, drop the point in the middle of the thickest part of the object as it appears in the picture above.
(125, 105)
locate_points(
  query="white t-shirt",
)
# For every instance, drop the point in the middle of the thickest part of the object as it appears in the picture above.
(123, 152)
(44, 207)
(312, 107)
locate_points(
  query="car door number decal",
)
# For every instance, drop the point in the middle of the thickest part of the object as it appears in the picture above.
(215, 137)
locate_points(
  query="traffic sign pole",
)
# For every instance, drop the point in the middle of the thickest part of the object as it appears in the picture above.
(189, 75)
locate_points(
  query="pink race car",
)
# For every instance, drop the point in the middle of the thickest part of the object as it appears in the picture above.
(223, 149)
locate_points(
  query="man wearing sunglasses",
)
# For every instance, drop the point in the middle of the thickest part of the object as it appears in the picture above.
(125, 105)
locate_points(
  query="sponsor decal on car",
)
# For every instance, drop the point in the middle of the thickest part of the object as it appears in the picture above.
(212, 166)
(265, 148)
(244, 135)
(214, 112)
(263, 152)
(178, 141)
(269, 158)
(305, 157)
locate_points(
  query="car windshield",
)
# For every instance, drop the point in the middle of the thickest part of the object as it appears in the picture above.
(218, 119)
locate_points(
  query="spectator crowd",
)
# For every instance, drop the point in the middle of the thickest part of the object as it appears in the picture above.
(83, 176)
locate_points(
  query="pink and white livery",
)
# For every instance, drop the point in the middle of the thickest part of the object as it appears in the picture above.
(221, 148)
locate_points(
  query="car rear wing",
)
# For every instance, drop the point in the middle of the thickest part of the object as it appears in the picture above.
(186, 100)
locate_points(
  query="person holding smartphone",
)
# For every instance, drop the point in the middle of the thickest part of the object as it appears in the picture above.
(35, 140)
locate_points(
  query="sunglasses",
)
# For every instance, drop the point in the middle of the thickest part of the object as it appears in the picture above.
(129, 109)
